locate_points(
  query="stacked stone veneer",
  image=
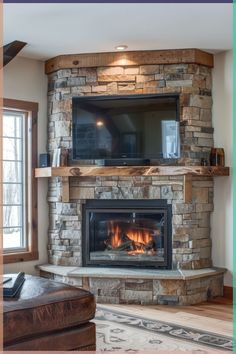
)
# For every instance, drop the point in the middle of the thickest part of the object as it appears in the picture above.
(191, 81)
(190, 222)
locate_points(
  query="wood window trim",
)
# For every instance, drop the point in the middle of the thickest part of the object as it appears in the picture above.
(32, 252)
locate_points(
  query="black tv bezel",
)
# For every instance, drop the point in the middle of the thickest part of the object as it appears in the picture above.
(123, 161)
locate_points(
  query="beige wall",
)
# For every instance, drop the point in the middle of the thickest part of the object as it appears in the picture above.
(24, 79)
(222, 218)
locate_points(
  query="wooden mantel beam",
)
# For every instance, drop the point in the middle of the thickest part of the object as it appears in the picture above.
(93, 170)
(147, 57)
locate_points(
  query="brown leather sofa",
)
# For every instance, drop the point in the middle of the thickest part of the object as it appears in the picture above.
(49, 316)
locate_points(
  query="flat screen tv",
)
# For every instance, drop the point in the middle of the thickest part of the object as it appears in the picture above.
(132, 128)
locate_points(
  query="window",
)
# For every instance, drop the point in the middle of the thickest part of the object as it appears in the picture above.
(19, 186)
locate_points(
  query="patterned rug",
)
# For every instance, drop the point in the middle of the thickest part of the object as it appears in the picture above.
(117, 331)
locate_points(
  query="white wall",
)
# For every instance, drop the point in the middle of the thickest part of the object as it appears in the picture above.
(222, 218)
(24, 79)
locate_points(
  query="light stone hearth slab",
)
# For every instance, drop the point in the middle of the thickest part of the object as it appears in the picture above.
(124, 273)
(141, 286)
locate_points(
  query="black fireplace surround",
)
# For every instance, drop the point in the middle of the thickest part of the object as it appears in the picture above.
(130, 233)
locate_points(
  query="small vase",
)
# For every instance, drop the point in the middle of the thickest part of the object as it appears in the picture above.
(217, 157)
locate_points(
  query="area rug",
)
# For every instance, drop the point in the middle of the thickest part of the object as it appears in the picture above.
(117, 331)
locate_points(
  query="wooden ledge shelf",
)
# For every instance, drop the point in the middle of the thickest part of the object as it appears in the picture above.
(95, 171)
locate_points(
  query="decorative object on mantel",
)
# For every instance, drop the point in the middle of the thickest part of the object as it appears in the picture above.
(217, 157)
(204, 162)
(64, 157)
(44, 160)
(56, 156)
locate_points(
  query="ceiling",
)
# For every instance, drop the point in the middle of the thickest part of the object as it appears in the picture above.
(55, 29)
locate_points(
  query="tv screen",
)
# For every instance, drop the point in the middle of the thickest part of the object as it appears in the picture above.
(126, 127)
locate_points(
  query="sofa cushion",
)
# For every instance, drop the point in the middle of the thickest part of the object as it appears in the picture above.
(45, 306)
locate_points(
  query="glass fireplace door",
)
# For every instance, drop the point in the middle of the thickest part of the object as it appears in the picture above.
(121, 236)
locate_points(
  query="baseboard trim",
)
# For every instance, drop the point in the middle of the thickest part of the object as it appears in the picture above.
(228, 292)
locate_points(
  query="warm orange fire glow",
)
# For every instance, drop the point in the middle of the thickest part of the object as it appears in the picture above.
(138, 238)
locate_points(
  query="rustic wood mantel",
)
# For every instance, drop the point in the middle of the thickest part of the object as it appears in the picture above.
(93, 171)
(130, 58)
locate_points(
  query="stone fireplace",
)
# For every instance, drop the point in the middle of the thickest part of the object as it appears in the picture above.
(171, 234)
(127, 233)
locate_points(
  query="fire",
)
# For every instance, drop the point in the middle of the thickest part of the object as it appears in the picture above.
(133, 241)
(140, 236)
(115, 232)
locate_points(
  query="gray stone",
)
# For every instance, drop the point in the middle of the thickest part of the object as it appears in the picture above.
(76, 81)
(62, 128)
(166, 192)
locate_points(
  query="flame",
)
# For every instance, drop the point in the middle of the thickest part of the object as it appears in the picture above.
(115, 232)
(140, 238)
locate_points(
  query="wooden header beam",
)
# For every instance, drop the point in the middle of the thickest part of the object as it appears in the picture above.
(173, 56)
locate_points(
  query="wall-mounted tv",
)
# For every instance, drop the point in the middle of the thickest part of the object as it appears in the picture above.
(126, 128)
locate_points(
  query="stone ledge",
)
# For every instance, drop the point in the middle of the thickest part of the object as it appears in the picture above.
(124, 273)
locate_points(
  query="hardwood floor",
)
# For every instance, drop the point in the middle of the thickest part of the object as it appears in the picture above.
(219, 308)
(213, 316)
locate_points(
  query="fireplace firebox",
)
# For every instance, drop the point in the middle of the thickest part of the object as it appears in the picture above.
(127, 233)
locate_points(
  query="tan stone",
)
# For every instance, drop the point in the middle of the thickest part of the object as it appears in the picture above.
(81, 89)
(190, 113)
(201, 101)
(178, 83)
(81, 193)
(200, 195)
(149, 69)
(132, 71)
(168, 287)
(204, 207)
(205, 252)
(99, 88)
(111, 78)
(200, 232)
(126, 87)
(114, 70)
(144, 78)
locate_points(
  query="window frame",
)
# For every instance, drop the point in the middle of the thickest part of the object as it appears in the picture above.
(31, 252)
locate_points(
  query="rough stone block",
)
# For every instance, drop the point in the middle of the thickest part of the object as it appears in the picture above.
(149, 69)
(138, 284)
(200, 232)
(81, 193)
(126, 87)
(99, 88)
(166, 192)
(144, 78)
(177, 219)
(179, 83)
(62, 128)
(131, 296)
(76, 81)
(190, 113)
(64, 73)
(114, 70)
(182, 208)
(204, 207)
(111, 78)
(200, 195)
(205, 252)
(201, 101)
(154, 192)
(131, 71)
